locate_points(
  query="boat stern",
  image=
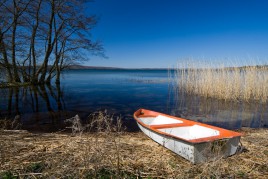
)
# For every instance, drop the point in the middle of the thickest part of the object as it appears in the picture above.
(214, 150)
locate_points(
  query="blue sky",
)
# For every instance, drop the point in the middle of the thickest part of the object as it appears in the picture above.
(158, 33)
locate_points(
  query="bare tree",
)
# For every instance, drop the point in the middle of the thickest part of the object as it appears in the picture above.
(40, 38)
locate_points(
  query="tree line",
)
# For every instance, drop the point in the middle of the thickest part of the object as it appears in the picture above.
(40, 38)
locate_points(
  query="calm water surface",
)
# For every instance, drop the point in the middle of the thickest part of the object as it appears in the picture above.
(120, 92)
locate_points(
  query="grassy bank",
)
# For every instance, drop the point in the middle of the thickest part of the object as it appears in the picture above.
(248, 83)
(120, 155)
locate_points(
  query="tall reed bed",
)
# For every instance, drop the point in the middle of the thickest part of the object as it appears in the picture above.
(224, 82)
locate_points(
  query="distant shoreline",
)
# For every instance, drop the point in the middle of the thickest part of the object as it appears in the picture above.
(81, 67)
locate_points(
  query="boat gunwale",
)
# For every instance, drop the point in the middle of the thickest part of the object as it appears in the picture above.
(224, 133)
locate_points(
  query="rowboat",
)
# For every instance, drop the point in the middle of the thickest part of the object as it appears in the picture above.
(194, 141)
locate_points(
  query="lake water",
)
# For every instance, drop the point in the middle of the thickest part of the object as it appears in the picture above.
(120, 92)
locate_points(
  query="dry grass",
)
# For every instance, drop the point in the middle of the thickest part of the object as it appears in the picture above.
(13, 124)
(223, 82)
(108, 152)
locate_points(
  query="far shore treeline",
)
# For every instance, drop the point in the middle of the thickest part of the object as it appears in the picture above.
(40, 38)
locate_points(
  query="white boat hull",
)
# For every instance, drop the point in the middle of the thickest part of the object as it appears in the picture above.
(195, 152)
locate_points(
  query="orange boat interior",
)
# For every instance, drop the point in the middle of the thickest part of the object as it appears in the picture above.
(179, 128)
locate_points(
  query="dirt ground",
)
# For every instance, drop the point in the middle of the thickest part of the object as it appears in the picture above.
(120, 155)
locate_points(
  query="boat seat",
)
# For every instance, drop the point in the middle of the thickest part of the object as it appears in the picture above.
(160, 121)
(162, 126)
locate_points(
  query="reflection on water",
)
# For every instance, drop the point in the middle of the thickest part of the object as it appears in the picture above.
(82, 92)
(226, 114)
(37, 106)
(121, 92)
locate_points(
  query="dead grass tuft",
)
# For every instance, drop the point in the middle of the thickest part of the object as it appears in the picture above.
(10, 124)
